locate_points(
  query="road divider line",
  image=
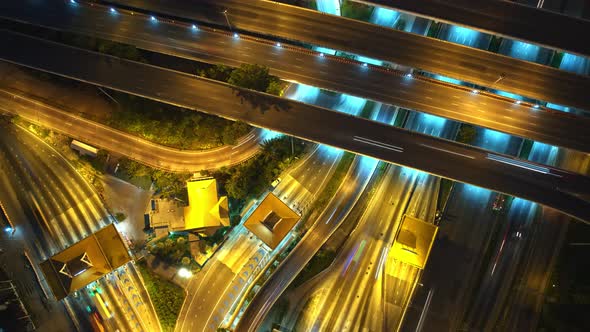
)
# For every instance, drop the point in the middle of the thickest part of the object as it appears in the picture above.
(378, 144)
(447, 151)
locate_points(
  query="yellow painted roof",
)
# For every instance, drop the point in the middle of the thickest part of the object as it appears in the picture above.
(204, 208)
(283, 220)
(414, 241)
(104, 249)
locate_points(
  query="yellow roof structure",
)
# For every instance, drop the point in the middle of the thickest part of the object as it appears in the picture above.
(85, 261)
(204, 208)
(413, 241)
(271, 221)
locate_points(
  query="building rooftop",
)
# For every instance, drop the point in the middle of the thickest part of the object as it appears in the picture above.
(413, 242)
(271, 221)
(85, 261)
(205, 208)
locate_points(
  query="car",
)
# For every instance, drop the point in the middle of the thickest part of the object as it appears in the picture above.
(275, 182)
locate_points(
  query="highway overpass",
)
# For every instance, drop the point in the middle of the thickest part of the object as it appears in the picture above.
(357, 37)
(304, 66)
(541, 184)
(503, 18)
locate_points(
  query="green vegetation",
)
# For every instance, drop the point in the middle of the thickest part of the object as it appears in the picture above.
(99, 163)
(322, 259)
(248, 76)
(400, 24)
(567, 297)
(250, 178)
(157, 122)
(556, 59)
(166, 297)
(434, 29)
(400, 117)
(356, 10)
(443, 194)
(466, 134)
(173, 126)
(166, 183)
(495, 43)
(367, 111)
(173, 249)
(334, 183)
(120, 216)
(525, 150)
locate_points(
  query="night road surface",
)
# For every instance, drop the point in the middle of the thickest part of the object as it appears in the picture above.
(66, 209)
(504, 18)
(336, 74)
(223, 274)
(348, 194)
(338, 33)
(131, 146)
(548, 186)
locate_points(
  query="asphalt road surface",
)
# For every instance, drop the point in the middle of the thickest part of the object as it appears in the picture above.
(547, 186)
(346, 197)
(429, 54)
(504, 18)
(66, 209)
(131, 146)
(301, 65)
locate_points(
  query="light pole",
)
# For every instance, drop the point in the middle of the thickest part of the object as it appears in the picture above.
(502, 76)
(227, 19)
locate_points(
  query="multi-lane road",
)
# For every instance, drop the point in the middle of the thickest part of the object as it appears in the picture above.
(299, 64)
(62, 209)
(339, 33)
(119, 142)
(544, 185)
(504, 18)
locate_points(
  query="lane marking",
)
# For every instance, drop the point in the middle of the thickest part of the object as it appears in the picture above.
(447, 151)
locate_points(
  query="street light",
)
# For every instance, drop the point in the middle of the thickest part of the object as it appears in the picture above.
(227, 19)
(184, 273)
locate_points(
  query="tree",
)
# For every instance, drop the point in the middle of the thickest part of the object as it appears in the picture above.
(185, 261)
(217, 72)
(466, 134)
(120, 216)
(274, 88)
(251, 76)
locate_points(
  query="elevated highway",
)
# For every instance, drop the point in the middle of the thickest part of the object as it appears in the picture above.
(302, 65)
(503, 18)
(545, 185)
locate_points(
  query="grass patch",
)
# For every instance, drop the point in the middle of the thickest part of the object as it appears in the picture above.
(166, 297)
(556, 59)
(526, 148)
(443, 194)
(495, 44)
(356, 10)
(317, 264)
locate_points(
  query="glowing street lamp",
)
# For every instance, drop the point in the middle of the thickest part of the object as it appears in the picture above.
(184, 273)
